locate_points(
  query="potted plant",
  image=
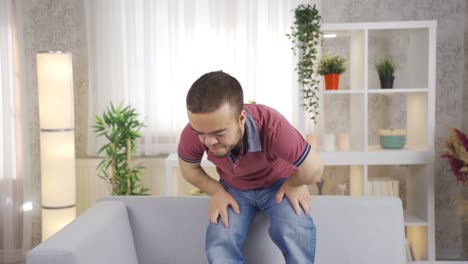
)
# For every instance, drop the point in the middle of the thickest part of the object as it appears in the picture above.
(331, 66)
(456, 153)
(121, 128)
(306, 36)
(386, 68)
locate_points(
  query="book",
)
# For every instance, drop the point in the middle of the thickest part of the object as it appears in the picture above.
(383, 187)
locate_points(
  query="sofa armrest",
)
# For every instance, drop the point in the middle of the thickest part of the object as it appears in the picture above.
(102, 234)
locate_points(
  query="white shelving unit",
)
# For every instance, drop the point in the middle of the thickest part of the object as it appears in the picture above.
(360, 107)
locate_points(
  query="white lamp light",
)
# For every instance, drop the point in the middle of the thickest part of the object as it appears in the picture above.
(55, 85)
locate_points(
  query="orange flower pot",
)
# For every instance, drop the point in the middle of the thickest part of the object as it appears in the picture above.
(332, 81)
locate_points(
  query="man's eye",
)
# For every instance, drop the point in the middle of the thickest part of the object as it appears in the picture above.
(219, 135)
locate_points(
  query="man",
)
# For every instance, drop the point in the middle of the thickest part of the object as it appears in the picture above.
(264, 164)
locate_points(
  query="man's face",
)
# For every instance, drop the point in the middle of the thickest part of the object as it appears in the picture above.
(221, 131)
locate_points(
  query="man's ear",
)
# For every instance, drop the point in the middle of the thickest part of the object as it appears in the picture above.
(242, 117)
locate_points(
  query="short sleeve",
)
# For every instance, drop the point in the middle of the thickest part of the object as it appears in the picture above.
(288, 144)
(190, 149)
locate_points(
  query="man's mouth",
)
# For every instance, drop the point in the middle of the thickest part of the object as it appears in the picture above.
(215, 148)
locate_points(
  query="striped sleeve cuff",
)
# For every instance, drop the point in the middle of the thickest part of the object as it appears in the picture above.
(188, 160)
(303, 156)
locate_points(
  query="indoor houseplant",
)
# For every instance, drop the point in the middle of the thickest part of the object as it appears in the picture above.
(331, 66)
(306, 36)
(121, 128)
(456, 153)
(386, 68)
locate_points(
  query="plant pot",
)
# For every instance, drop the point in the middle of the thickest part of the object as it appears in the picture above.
(332, 81)
(386, 82)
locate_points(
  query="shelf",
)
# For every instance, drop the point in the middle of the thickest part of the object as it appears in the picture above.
(397, 90)
(412, 220)
(343, 91)
(378, 148)
(376, 91)
(377, 25)
(342, 158)
(390, 157)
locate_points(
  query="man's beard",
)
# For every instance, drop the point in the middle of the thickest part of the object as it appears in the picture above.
(229, 148)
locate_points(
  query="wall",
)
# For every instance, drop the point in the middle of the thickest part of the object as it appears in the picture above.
(465, 74)
(60, 24)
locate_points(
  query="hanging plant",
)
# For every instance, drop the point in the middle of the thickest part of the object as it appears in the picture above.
(121, 128)
(306, 36)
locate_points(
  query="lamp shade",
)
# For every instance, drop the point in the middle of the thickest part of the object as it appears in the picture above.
(56, 111)
(58, 169)
(54, 220)
(55, 85)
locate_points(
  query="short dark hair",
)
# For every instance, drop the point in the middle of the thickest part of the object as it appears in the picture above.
(214, 89)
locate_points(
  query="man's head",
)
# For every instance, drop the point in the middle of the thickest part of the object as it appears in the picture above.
(215, 111)
(214, 89)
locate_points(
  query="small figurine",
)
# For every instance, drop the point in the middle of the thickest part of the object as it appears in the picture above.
(320, 186)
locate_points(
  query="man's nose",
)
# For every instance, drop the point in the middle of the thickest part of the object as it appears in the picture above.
(210, 140)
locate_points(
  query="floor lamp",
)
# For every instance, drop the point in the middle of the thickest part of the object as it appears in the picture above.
(56, 114)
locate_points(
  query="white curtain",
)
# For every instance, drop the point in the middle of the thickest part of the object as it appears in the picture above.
(15, 224)
(148, 53)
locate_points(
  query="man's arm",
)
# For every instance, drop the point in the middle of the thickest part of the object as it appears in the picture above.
(220, 199)
(295, 188)
(196, 175)
(309, 172)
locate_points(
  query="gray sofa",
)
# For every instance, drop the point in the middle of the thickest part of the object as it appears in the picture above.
(156, 229)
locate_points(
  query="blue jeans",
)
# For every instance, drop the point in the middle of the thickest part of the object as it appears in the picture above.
(293, 234)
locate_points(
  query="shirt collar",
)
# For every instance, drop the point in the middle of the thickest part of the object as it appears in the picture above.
(251, 138)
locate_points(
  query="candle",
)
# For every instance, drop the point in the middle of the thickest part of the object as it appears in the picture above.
(329, 142)
(312, 139)
(342, 142)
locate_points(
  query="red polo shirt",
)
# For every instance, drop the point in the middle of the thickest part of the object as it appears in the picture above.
(273, 149)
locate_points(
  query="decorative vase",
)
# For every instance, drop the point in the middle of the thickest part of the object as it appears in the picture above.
(332, 81)
(392, 138)
(386, 82)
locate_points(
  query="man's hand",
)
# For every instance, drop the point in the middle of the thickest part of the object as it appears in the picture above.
(298, 195)
(218, 205)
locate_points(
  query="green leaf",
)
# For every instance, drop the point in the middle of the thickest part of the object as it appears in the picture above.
(118, 125)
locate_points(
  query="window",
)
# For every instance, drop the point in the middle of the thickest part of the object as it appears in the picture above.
(148, 54)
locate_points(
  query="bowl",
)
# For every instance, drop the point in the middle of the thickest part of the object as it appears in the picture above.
(392, 138)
